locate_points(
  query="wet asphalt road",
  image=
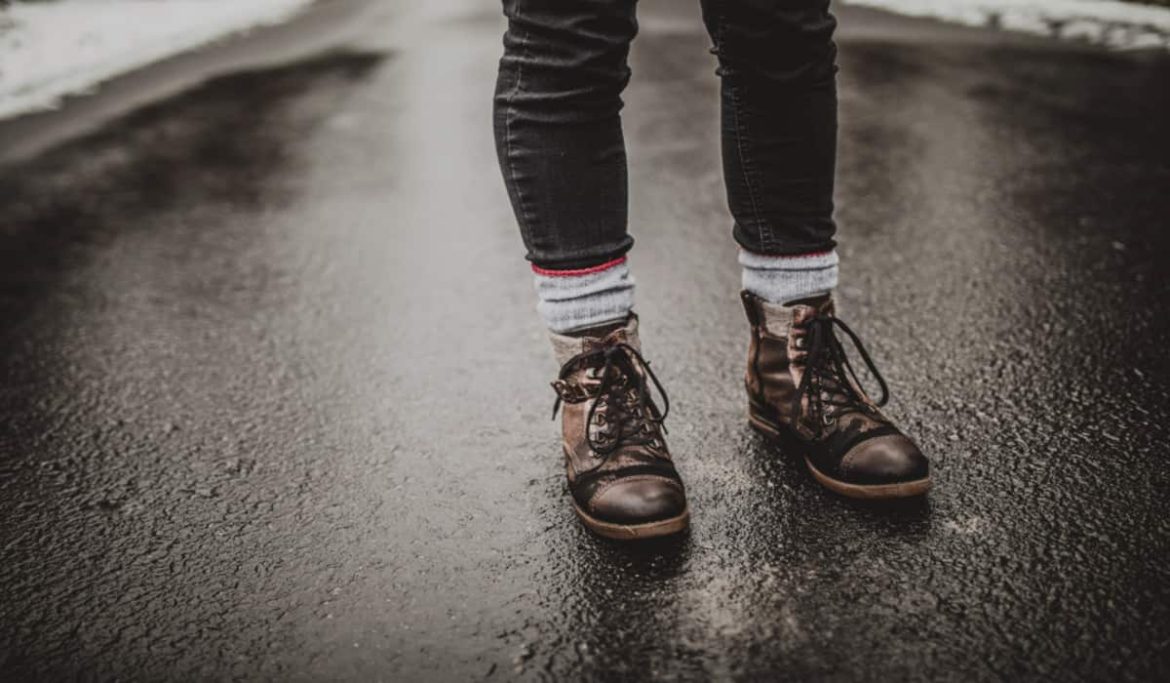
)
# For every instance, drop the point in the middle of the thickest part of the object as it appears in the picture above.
(274, 398)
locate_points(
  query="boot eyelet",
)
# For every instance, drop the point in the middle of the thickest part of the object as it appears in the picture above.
(828, 419)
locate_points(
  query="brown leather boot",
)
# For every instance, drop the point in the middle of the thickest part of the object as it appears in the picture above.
(623, 482)
(803, 393)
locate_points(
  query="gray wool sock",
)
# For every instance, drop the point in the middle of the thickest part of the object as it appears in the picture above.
(783, 279)
(572, 300)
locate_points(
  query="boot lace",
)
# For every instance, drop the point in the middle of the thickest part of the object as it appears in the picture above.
(830, 382)
(630, 414)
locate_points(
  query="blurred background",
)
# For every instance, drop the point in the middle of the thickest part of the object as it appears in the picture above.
(51, 48)
(274, 398)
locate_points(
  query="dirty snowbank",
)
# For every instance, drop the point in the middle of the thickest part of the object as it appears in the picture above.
(49, 50)
(1105, 22)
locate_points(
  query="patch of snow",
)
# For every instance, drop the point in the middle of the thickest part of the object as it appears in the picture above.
(1105, 22)
(50, 50)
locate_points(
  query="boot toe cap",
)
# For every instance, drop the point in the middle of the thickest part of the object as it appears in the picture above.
(639, 500)
(890, 459)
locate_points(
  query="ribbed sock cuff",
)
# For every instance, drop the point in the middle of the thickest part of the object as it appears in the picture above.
(782, 279)
(572, 300)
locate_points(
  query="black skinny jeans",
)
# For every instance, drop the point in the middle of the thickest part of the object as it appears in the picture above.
(559, 137)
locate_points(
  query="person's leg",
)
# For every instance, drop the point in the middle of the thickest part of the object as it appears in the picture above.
(778, 64)
(777, 61)
(559, 139)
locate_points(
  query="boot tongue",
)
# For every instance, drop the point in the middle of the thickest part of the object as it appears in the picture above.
(777, 318)
(807, 309)
(612, 337)
(601, 331)
(566, 346)
(816, 302)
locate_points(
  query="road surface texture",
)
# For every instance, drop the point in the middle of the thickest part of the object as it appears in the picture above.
(275, 399)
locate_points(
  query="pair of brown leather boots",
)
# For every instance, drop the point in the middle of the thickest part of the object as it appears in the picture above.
(802, 392)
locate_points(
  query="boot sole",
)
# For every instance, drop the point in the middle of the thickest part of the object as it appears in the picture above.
(634, 532)
(902, 489)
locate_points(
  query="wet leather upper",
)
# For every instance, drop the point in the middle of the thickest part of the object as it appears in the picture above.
(635, 482)
(855, 444)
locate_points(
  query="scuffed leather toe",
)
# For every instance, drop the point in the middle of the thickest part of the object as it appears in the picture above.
(890, 459)
(638, 500)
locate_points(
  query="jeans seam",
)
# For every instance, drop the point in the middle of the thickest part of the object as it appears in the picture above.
(765, 234)
(516, 90)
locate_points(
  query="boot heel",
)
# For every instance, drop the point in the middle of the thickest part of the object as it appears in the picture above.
(760, 423)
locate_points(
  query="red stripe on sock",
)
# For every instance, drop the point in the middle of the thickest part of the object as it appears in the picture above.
(812, 254)
(579, 271)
